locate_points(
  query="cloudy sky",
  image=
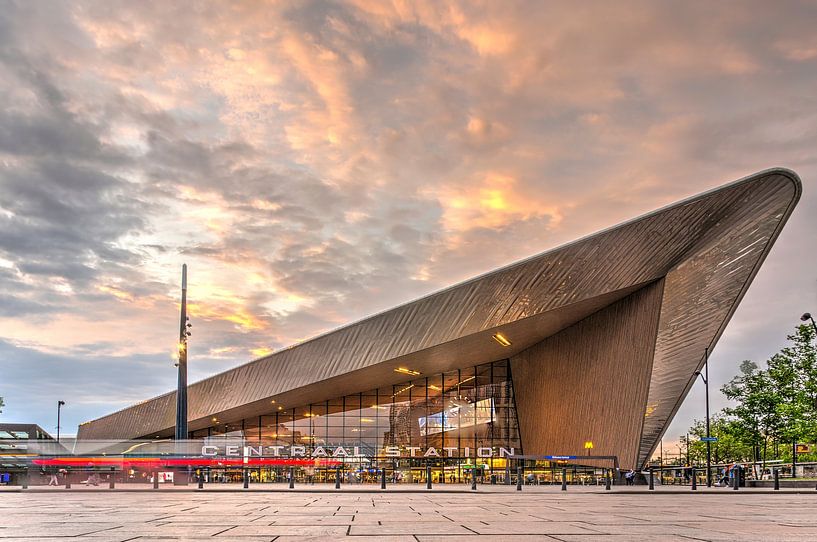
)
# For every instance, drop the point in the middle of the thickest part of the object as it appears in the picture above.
(315, 162)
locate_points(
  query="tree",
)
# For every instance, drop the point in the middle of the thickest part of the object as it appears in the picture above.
(730, 446)
(757, 416)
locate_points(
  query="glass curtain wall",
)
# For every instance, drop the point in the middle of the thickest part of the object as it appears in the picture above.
(450, 422)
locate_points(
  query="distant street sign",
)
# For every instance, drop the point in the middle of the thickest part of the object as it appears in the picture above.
(709, 439)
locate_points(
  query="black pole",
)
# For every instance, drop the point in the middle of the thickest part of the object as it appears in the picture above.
(24, 481)
(111, 481)
(735, 477)
(291, 478)
(474, 478)
(564, 479)
(708, 443)
(694, 480)
(59, 405)
(383, 478)
(652, 480)
(794, 458)
(337, 478)
(428, 476)
(246, 479)
(201, 479)
(776, 479)
(607, 481)
(67, 477)
(181, 390)
(518, 478)
(155, 479)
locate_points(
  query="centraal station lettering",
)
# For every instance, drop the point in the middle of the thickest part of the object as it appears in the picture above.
(344, 451)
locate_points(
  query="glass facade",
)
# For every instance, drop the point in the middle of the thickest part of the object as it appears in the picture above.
(450, 422)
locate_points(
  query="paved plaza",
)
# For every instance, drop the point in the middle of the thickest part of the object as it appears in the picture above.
(446, 515)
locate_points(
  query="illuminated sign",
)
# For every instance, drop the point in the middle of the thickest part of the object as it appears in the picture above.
(234, 450)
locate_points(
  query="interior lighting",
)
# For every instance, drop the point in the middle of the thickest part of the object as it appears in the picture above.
(501, 339)
(366, 420)
(406, 371)
(404, 389)
(434, 387)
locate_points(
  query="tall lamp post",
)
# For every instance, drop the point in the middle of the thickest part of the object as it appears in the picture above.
(806, 317)
(59, 406)
(705, 378)
(181, 391)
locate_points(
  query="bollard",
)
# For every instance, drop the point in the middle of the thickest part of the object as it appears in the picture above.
(428, 477)
(607, 482)
(67, 477)
(519, 478)
(155, 479)
(111, 481)
(564, 479)
(493, 479)
(652, 480)
(291, 478)
(473, 479)
(508, 475)
(201, 480)
(776, 479)
(383, 479)
(246, 479)
(24, 480)
(694, 480)
(735, 478)
(337, 478)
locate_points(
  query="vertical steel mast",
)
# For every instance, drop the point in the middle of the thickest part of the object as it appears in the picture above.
(181, 392)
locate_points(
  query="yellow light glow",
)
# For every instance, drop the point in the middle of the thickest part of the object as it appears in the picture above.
(588, 445)
(501, 339)
(366, 420)
(433, 387)
(406, 371)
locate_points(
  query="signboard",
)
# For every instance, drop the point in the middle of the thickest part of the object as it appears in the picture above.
(709, 439)
(804, 448)
(560, 457)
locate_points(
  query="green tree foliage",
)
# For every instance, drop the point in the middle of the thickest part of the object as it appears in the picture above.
(774, 407)
(730, 446)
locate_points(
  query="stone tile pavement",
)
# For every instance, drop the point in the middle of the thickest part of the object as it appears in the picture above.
(500, 514)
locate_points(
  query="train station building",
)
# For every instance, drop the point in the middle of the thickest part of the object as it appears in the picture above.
(584, 350)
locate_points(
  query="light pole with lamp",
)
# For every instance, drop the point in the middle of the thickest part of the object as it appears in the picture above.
(59, 406)
(181, 391)
(705, 378)
(806, 317)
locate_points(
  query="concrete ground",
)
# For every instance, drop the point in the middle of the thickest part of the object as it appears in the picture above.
(451, 515)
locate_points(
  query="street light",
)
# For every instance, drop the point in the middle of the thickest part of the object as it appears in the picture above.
(705, 378)
(59, 406)
(806, 317)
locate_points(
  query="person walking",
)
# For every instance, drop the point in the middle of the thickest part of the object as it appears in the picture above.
(52, 481)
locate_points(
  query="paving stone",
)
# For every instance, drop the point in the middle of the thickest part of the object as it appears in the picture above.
(539, 514)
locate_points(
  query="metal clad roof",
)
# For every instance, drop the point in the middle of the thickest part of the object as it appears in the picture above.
(693, 243)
